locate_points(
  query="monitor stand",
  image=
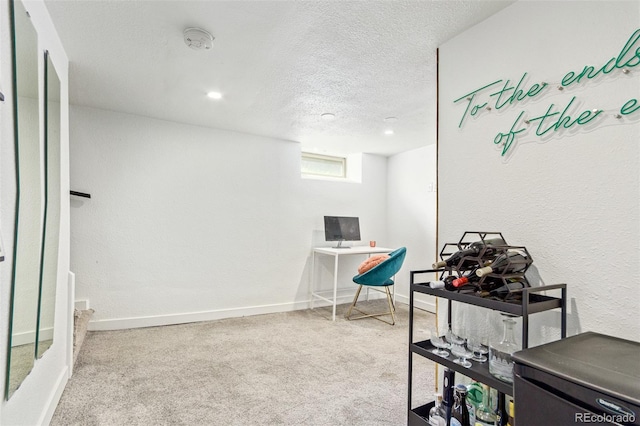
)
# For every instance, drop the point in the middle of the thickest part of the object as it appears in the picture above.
(340, 246)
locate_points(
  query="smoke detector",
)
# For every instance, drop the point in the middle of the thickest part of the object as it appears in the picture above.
(198, 39)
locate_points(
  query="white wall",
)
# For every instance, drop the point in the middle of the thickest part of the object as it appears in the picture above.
(571, 196)
(411, 203)
(33, 403)
(190, 223)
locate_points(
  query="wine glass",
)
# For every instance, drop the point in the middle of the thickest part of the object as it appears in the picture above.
(439, 342)
(454, 338)
(474, 343)
(484, 346)
(462, 354)
(483, 335)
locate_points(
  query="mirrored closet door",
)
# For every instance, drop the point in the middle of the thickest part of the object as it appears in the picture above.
(29, 204)
(51, 228)
(37, 200)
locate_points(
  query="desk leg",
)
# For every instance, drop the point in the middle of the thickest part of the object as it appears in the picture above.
(367, 293)
(312, 279)
(335, 286)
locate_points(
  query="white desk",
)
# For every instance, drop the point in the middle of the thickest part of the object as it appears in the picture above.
(336, 253)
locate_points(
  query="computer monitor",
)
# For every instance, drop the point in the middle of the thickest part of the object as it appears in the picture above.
(340, 228)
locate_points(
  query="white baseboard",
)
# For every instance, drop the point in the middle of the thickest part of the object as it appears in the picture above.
(182, 318)
(71, 296)
(81, 305)
(420, 304)
(28, 337)
(54, 398)
(169, 319)
(347, 297)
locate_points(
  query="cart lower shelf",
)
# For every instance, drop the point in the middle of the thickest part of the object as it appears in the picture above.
(478, 371)
(419, 416)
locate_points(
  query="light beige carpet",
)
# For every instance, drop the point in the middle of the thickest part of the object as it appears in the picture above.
(80, 326)
(293, 368)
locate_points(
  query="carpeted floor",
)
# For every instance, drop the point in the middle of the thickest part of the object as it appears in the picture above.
(293, 368)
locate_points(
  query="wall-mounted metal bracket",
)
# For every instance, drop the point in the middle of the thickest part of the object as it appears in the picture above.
(80, 194)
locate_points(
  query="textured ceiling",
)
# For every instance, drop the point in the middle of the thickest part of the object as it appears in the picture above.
(279, 65)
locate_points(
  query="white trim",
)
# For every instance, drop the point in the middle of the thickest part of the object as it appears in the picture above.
(81, 305)
(420, 304)
(29, 337)
(21, 339)
(328, 178)
(346, 297)
(172, 319)
(71, 295)
(54, 398)
(330, 159)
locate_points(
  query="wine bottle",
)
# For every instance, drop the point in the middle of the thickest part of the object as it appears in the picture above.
(472, 279)
(460, 412)
(453, 283)
(506, 289)
(482, 287)
(502, 418)
(447, 392)
(471, 250)
(446, 283)
(467, 279)
(511, 261)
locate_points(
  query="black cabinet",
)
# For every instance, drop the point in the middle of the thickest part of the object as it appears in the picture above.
(531, 302)
(587, 378)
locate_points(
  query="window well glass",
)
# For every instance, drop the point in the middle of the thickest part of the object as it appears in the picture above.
(324, 165)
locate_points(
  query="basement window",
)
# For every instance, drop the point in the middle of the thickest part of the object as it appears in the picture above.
(316, 165)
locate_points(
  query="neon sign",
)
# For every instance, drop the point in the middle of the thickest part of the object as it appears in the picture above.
(556, 117)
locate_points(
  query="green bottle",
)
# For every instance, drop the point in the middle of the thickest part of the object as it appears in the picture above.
(484, 414)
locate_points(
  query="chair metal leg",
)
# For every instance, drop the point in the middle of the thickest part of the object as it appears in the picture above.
(392, 308)
(391, 312)
(353, 304)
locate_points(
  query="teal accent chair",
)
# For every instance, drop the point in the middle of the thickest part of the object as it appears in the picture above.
(379, 276)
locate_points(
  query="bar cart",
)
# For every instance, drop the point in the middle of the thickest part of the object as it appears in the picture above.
(528, 302)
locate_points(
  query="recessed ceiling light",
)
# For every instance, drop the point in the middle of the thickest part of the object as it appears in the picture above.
(215, 95)
(388, 132)
(327, 116)
(391, 119)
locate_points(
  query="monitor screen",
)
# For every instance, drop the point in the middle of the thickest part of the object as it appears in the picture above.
(337, 228)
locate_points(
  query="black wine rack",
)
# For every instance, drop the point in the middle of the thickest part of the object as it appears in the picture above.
(491, 281)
